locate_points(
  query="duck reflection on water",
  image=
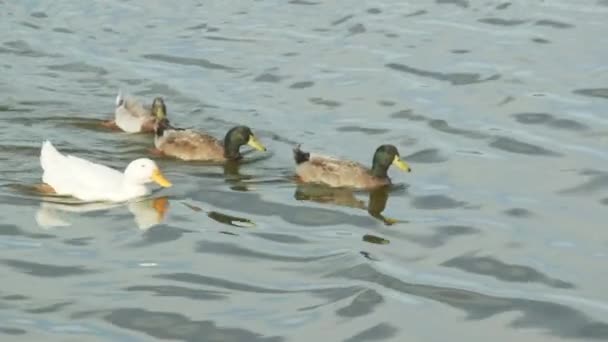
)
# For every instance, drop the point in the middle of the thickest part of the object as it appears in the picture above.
(346, 197)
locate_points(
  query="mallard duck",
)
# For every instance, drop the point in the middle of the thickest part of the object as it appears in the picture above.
(187, 144)
(132, 117)
(344, 173)
(88, 181)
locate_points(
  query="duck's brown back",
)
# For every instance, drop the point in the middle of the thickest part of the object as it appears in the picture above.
(337, 173)
(191, 145)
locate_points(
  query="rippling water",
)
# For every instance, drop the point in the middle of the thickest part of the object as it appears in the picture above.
(500, 108)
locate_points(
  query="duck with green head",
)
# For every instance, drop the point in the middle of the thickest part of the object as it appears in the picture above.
(132, 117)
(345, 173)
(187, 144)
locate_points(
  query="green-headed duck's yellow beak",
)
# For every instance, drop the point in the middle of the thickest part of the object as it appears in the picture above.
(401, 164)
(160, 179)
(255, 143)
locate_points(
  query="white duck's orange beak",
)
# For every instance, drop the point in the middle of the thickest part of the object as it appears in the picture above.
(160, 179)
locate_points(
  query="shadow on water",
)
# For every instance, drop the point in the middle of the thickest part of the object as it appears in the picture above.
(73, 121)
(241, 181)
(437, 202)
(490, 266)
(198, 62)
(453, 78)
(346, 197)
(459, 3)
(549, 121)
(557, 319)
(231, 249)
(46, 270)
(364, 303)
(253, 203)
(439, 236)
(381, 331)
(338, 292)
(504, 143)
(57, 211)
(173, 326)
(519, 212)
(160, 234)
(146, 213)
(179, 291)
(428, 156)
(593, 92)
(231, 170)
(222, 218)
(11, 230)
(597, 181)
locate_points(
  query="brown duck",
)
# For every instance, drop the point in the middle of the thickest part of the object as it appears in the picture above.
(187, 144)
(345, 173)
(132, 117)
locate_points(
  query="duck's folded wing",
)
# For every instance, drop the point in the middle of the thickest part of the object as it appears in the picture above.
(94, 170)
(70, 174)
(188, 136)
(188, 141)
(333, 171)
(135, 108)
(334, 165)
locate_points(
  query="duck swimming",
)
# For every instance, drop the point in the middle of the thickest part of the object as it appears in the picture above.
(88, 181)
(345, 173)
(187, 144)
(132, 117)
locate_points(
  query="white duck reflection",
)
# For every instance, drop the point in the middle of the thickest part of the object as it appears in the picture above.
(146, 213)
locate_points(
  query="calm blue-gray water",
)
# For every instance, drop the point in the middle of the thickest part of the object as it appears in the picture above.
(499, 233)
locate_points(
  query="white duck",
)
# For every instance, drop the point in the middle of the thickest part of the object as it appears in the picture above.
(87, 181)
(132, 117)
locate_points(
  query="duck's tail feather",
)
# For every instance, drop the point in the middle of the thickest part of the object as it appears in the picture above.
(48, 154)
(300, 156)
(120, 100)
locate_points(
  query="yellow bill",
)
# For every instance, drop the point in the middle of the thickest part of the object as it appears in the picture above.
(160, 179)
(255, 143)
(398, 162)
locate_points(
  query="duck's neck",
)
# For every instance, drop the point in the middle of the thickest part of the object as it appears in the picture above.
(161, 126)
(231, 150)
(380, 171)
(130, 189)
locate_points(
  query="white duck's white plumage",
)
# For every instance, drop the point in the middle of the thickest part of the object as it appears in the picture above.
(131, 116)
(88, 181)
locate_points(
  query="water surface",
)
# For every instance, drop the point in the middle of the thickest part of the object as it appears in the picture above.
(499, 231)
